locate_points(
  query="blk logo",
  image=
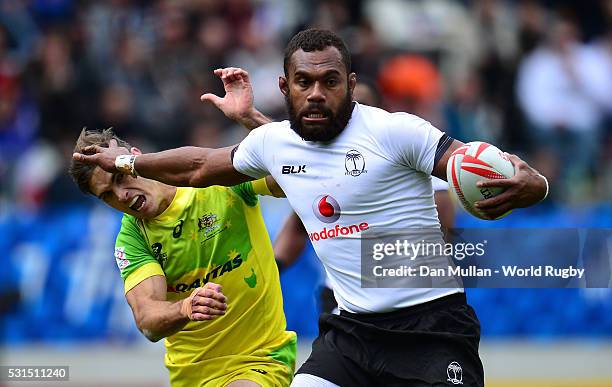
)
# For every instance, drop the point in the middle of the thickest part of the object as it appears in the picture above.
(291, 169)
(326, 209)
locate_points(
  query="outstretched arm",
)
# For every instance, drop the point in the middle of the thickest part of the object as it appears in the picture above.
(187, 166)
(237, 104)
(290, 242)
(190, 166)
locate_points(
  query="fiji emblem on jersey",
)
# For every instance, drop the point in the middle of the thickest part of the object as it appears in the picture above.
(354, 163)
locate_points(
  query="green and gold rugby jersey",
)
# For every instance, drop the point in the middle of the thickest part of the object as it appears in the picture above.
(214, 234)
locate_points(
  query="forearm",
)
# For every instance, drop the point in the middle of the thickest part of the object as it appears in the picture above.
(254, 119)
(291, 241)
(176, 167)
(161, 319)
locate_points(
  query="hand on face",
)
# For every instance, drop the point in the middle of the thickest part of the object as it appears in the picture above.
(527, 187)
(101, 156)
(238, 100)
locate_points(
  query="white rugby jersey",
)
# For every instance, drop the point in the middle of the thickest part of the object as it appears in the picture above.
(376, 173)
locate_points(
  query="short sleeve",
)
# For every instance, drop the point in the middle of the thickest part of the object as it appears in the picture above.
(411, 141)
(246, 192)
(438, 184)
(249, 158)
(133, 256)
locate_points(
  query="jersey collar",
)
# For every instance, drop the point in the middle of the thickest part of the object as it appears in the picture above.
(178, 204)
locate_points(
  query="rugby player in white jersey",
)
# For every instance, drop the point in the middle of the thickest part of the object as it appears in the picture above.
(291, 241)
(383, 336)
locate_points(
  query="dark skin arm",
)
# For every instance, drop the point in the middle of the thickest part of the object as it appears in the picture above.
(191, 166)
(446, 209)
(291, 241)
(181, 167)
(527, 187)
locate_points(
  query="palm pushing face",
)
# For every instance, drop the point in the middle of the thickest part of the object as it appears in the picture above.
(103, 157)
(137, 196)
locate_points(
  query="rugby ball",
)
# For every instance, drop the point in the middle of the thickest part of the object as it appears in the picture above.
(474, 162)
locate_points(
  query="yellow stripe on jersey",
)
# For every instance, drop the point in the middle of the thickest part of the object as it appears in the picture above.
(260, 187)
(258, 232)
(142, 273)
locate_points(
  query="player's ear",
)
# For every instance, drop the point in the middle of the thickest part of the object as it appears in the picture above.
(135, 151)
(352, 82)
(283, 85)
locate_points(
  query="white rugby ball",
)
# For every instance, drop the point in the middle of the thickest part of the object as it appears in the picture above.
(474, 162)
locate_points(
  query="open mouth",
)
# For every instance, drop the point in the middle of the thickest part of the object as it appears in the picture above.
(138, 202)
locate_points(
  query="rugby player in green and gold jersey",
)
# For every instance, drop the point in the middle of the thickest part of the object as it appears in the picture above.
(199, 271)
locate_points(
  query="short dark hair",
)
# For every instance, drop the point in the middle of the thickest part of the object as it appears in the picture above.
(314, 39)
(81, 172)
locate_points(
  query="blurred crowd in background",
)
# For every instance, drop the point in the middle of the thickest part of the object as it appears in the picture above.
(534, 77)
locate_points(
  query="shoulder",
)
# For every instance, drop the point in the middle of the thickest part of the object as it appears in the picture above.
(269, 136)
(276, 127)
(128, 221)
(131, 229)
(380, 119)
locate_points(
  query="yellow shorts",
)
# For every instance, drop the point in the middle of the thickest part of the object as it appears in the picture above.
(270, 374)
(265, 367)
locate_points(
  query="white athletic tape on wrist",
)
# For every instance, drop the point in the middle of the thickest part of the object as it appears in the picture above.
(547, 186)
(125, 164)
(187, 304)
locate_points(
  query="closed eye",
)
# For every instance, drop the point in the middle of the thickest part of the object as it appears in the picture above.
(116, 179)
(104, 196)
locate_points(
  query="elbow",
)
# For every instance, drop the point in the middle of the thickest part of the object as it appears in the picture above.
(151, 336)
(144, 327)
(199, 177)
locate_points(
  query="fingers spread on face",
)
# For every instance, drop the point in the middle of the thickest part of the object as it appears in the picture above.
(92, 149)
(87, 159)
